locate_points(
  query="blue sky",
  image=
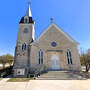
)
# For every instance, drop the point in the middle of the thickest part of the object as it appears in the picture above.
(73, 16)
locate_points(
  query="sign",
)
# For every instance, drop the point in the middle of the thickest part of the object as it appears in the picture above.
(20, 71)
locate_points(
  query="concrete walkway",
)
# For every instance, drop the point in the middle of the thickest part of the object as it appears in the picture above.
(4, 85)
(4, 80)
(69, 81)
(46, 85)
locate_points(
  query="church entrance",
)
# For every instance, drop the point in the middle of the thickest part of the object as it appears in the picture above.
(55, 65)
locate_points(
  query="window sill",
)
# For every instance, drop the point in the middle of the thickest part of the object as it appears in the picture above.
(70, 64)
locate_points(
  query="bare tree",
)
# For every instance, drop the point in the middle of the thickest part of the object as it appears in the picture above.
(85, 60)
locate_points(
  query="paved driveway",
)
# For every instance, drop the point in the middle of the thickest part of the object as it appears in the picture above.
(46, 85)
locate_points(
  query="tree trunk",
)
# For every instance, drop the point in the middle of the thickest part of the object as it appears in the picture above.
(87, 68)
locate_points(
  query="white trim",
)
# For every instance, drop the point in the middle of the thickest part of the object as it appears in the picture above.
(60, 30)
(28, 12)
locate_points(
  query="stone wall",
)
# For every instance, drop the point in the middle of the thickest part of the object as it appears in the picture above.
(63, 43)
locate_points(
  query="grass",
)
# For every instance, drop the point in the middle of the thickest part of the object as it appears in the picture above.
(20, 79)
(0, 78)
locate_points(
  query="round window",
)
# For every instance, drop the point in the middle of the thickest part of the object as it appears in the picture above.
(53, 44)
(25, 30)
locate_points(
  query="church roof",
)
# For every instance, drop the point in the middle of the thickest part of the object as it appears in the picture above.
(59, 29)
(30, 20)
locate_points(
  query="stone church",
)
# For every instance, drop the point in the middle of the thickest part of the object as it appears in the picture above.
(52, 50)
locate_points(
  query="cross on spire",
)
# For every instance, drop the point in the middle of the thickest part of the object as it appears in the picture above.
(51, 20)
(29, 3)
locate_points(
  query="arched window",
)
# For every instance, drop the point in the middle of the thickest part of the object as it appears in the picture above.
(69, 56)
(40, 57)
(24, 47)
(25, 20)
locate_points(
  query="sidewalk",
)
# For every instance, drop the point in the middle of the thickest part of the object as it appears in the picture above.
(46, 85)
(4, 85)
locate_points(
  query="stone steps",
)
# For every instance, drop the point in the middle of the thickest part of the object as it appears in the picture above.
(59, 75)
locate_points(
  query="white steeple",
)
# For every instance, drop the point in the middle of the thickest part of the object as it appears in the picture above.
(28, 12)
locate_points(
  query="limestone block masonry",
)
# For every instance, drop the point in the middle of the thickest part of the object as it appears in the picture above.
(53, 49)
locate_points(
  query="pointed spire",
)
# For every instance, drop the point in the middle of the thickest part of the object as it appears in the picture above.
(28, 12)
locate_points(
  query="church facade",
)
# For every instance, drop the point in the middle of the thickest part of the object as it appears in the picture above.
(52, 50)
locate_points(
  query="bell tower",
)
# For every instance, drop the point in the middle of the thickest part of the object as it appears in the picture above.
(22, 51)
(26, 27)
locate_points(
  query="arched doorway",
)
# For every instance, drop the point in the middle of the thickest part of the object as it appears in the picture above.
(55, 64)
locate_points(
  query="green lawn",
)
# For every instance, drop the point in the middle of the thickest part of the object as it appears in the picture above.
(20, 79)
(0, 78)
